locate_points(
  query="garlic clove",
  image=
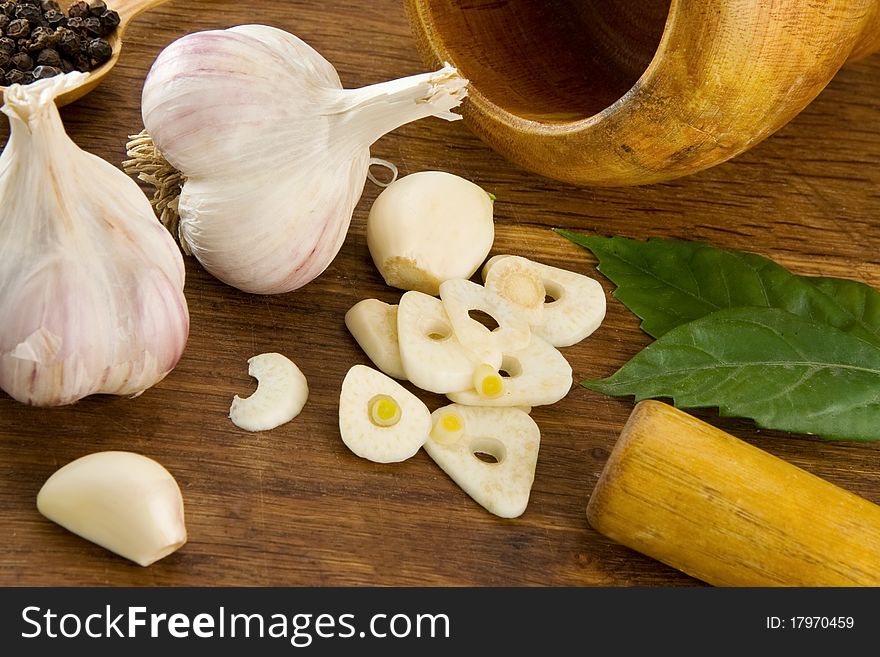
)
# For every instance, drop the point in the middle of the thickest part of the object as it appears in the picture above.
(373, 324)
(433, 358)
(460, 297)
(578, 305)
(124, 502)
(282, 391)
(494, 459)
(429, 227)
(379, 419)
(537, 376)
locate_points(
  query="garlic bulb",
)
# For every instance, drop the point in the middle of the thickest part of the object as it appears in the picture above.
(274, 152)
(91, 285)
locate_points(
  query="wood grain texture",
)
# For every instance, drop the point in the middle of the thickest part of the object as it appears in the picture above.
(293, 506)
(727, 512)
(629, 93)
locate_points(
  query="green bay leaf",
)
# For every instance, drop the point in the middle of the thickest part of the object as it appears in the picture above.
(780, 370)
(668, 283)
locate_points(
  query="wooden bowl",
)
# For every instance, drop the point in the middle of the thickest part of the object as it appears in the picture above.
(638, 91)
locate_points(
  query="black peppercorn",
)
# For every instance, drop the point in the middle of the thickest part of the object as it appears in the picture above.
(82, 62)
(19, 28)
(43, 72)
(4, 22)
(7, 8)
(97, 7)
(75, 23)
(49, 5)
(31, 14)
(5, 60)
(16, 77)
(55, 18)
(41, 37)
(49, 57)
(22, 61)
(67, 66)
(99, 51)
(109, 22)
(78, 9)
(7, 45)
(69, 43)
(92, 26)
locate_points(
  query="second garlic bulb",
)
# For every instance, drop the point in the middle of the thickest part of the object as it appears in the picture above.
(91, 285)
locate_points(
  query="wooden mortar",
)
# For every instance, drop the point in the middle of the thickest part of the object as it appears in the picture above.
(635, 92)
(730, 514)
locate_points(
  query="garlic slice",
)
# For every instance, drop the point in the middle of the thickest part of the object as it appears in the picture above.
(379, 419)
(428, 227)
(282, 391)
(578, 305)
(432, 356)
(506, 436)
(538, 375)
(373, 324)
(461, 296)
(124, 502)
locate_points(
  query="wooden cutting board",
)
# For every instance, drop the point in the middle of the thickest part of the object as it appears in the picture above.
(293, 506)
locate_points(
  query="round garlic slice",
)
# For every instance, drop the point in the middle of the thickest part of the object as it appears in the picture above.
(281, 393)
(577, 308)
(379, 419)
(124, 502)
(433, 358)
(460, 297)
(537, 375)
(494, 458)
(428, 227)
(373, 324)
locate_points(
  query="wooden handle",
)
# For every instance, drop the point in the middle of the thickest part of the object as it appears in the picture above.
(728, 513)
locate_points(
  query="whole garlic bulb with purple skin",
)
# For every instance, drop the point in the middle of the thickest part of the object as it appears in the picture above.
(91, 285)
(274, 151)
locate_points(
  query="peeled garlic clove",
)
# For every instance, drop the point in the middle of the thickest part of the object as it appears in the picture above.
(373, 324)
(538, 375)
(124, 502)
(428, 227)
(432, 356)
(578, 305)
(282, 391)
(494, 460)
(274, 170)
(379, 419)
(461, 296)
(91, 285)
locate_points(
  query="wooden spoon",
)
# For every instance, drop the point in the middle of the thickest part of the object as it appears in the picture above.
(128, 10)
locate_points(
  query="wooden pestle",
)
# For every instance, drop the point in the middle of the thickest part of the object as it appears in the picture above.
(730, 514)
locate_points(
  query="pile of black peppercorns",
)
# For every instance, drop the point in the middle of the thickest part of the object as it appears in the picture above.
(37, 39)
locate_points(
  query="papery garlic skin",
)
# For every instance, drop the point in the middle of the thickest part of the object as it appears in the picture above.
(91, 285)
(274, 151)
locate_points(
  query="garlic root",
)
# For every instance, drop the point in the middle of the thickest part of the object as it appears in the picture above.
(282, 391)
(124, 502)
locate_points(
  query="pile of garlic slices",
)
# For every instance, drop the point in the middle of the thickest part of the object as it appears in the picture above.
(485, 441)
